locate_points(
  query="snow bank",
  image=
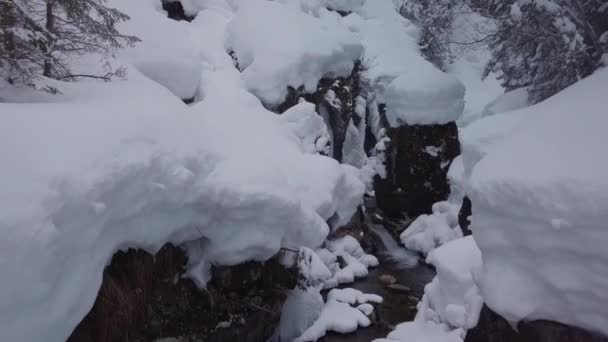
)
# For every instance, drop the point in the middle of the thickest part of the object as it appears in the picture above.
(126, 164)
(414, 91)
(540, 199)
(428, 232)
(278, 45)
(451, 302)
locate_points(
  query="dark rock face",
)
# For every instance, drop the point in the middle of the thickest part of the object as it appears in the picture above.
(493, 328)
(417, 163)
(463, 216)
(175, 11)
(335, 101)
(144, 297)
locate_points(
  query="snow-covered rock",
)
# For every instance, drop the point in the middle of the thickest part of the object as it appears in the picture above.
(278, 45)
(428, 232)
(414, 91)
(357, 262)
(540, 204)
(90, 176)
(345, 310)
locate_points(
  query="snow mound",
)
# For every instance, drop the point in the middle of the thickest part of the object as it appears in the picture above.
(451, 302)
(452, 297)
(414, 91)
(340, 315)
(540, 200)
(428, 232)
(126, 164)
(356, 261)
(278, 45)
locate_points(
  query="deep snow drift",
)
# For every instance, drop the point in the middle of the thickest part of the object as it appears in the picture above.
(540, 199)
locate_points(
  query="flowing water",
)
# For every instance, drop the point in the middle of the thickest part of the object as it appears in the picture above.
(397, 307)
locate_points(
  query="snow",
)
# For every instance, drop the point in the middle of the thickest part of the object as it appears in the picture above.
(540, 200)
(512, 100)
(308, 126)
(166, 53)
(414, 91)
(451, 302)
(108, 166)
(340, 315)
(421, 332)
(428, 232)
(452, 298)
(469, 61)
(278, 45)
(356, 260)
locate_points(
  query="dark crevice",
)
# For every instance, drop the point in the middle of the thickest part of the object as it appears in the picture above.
(175, 10)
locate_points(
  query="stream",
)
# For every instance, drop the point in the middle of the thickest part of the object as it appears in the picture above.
(397, 306)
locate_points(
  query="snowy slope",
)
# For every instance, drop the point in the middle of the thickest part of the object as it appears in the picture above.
(540, 198)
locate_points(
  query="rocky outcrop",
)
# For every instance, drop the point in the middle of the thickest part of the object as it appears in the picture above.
(493, 328)
(417, 163)
(145, 297)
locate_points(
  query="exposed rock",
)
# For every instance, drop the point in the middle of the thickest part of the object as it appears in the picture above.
(387, 279)
(175, 10)
(493, 328)
(399, 288)
(463, 216)
(144, 298)
(417, 162)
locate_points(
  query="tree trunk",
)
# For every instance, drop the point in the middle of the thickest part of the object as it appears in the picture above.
(50, 27)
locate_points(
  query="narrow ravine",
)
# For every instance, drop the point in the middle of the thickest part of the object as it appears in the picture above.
(398, 305)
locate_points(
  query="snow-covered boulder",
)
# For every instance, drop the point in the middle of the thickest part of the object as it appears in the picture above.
(428, 232)
(278, 45)
(540, 204)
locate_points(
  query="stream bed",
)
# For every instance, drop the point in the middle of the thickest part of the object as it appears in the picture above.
(398, 306)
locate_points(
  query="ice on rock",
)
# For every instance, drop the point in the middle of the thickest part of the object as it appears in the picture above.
(550, 166)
